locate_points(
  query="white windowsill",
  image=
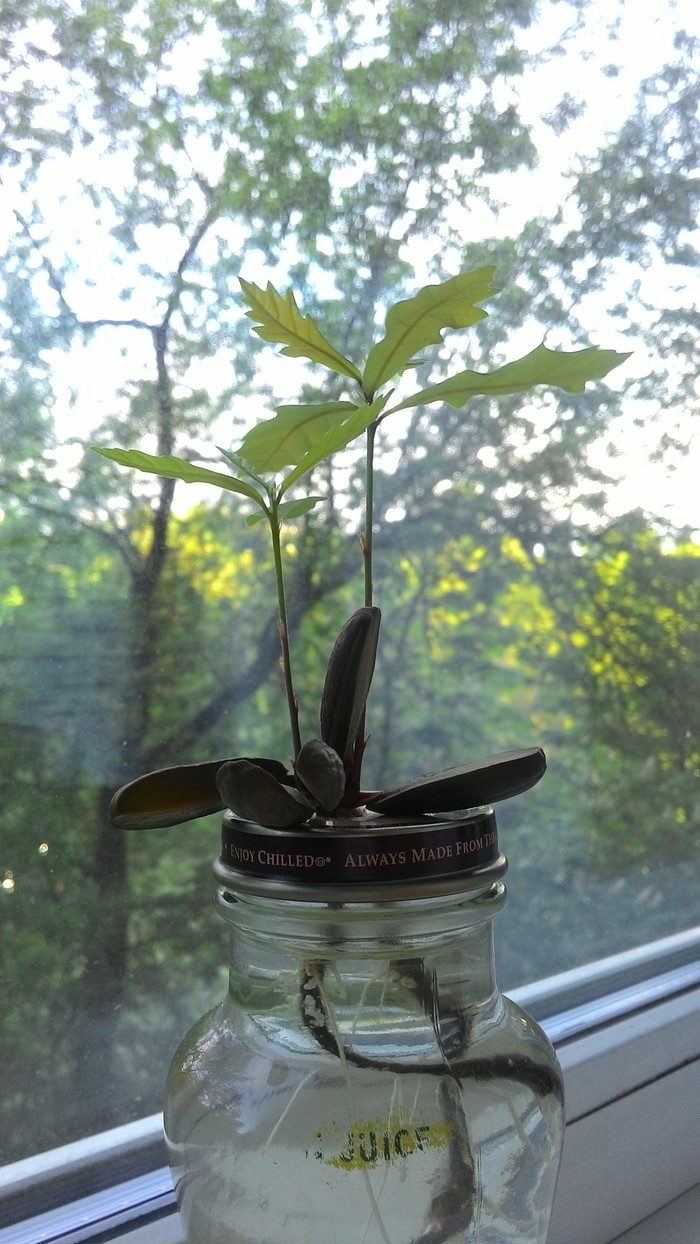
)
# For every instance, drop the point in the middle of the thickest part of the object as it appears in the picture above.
(676, 1223)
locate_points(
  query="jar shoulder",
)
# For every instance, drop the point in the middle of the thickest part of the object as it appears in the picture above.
(468, 1039)
(523, 1024)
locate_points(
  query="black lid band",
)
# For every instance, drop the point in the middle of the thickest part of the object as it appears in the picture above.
(386, 852)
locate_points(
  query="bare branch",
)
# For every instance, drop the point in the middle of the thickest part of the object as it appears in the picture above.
(57, 286)
(187, 256)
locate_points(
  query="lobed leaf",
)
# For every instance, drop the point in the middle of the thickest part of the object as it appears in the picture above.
(176, 468)
(294, 430)
(298, 507)
(335, 439)
(287, 510)
(420, 321)
(569, 370)
(279, 320)
(241, 464)
(467, 786)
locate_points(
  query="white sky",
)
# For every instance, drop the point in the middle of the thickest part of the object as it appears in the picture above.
(644, 43)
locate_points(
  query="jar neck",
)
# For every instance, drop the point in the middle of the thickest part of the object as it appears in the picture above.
(448, 940)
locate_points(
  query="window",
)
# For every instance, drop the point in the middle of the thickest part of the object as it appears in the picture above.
(537, 559)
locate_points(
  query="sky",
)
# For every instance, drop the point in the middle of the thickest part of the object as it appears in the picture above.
(643, 42)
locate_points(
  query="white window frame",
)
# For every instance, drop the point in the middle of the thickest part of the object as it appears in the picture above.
(627, 1031)
(632, 1141)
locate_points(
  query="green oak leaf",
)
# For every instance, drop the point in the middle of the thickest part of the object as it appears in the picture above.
(336, 438)
(295, 509)
(177, 468)
(287, 510)
(285, 439)
(279, 320)
(419, 322)
(563, 369)
(246, 468)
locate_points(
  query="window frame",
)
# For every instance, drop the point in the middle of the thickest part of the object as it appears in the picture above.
(632, 1144)
(627, 1032)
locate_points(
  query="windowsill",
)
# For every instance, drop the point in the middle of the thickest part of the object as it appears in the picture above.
(676, 1223)
(167, 1231)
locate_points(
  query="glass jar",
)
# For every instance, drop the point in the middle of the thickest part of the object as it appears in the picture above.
(364, 1082)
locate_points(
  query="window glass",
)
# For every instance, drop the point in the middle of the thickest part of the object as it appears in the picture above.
(536, 559)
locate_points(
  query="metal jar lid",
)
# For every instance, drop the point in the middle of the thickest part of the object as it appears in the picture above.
(362, 859)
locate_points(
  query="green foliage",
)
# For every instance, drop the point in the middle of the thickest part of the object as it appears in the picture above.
(337, 437)
(293, 432)
(420, 321)
(174, 468)
(636, 638)
(566, 370)
(304, 437)
(278, 319)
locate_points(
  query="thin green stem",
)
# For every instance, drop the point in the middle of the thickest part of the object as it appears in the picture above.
(292, 703)
(368, 538)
